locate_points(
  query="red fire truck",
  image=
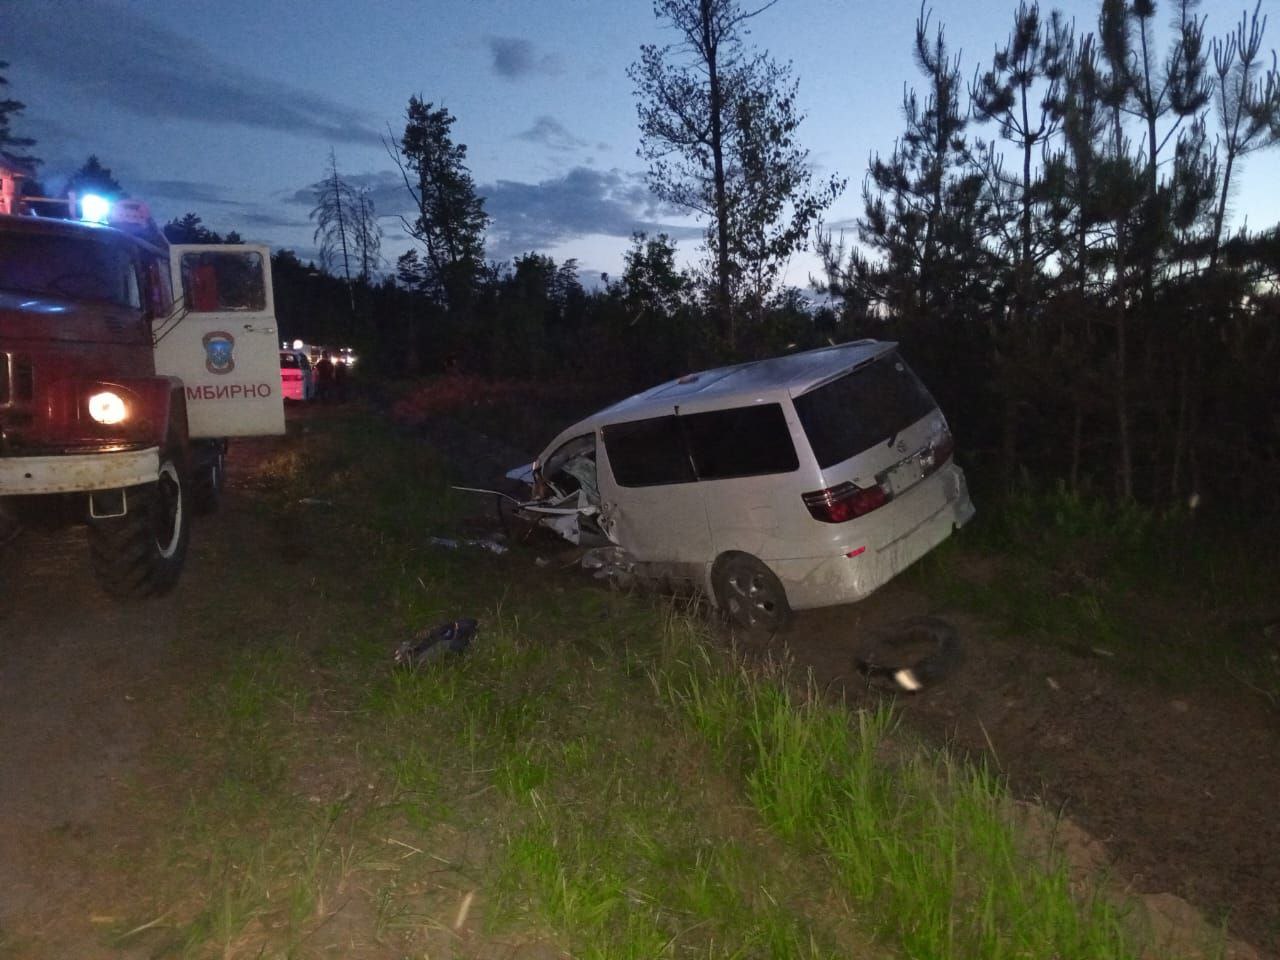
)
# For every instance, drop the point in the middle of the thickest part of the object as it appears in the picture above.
(125, 364)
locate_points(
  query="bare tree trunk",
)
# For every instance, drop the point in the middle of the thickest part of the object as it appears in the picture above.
(1125, 452)
(1179, 432)
(724, 306)
(342, 229)
(1077, 438)
(1022, 271)
(1122, 402)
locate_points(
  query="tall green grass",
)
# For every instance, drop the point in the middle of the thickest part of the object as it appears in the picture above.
(1168, 596)
(924, 844)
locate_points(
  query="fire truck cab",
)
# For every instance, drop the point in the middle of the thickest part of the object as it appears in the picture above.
(125, 364)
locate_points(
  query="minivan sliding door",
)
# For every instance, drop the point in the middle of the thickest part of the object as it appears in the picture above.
(651, 505)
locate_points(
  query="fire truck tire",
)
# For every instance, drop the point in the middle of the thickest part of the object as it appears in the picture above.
(141, 554)
(208, 473)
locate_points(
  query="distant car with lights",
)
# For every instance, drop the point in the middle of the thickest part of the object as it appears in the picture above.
(799, 481)
(297, 377)
(117, 395)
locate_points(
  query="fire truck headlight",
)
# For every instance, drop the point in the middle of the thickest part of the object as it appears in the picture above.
(107, 407)
(94, 208)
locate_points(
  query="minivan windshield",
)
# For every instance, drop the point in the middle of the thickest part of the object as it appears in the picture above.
(74, 268)
(866, 406)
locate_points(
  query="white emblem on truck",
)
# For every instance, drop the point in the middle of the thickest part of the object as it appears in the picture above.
(219, 347)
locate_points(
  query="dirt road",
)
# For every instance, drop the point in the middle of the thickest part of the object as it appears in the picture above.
(78, 675)
(87, 686)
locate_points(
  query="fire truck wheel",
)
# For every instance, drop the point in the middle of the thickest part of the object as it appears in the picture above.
(208, 471)
(141, 553)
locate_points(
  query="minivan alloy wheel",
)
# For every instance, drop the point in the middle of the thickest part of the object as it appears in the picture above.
(750, 595)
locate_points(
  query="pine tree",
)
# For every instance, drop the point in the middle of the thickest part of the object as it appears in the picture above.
(93, 177)
(12, 145)
(718, 125)
(450, 221)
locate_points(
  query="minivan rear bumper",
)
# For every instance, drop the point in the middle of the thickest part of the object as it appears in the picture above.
(825, 581)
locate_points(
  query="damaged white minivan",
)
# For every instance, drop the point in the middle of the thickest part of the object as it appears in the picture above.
(800, 481)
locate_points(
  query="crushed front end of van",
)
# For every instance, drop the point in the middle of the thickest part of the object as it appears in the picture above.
(800, 481)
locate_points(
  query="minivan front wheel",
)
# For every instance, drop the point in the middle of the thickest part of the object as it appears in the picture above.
(749, 594)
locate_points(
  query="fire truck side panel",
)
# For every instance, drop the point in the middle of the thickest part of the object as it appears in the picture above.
(223, 344)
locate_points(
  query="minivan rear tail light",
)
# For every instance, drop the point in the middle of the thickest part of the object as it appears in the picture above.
(845, 501)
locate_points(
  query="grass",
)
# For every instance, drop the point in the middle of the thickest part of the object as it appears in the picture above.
(596, 778)
(1175, 599)
(922, 843)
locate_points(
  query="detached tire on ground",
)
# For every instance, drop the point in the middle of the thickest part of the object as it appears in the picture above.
(749, 594)
(141, 554)
(208, 473)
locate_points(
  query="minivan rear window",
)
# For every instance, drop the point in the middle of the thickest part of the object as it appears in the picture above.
(741, 442)
(866, 406)
(646, 453)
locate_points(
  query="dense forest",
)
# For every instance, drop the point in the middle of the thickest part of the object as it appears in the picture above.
(1052, 238)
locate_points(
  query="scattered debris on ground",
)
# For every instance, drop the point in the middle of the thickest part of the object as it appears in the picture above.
(429, 645)
(491, 544)
(910, 654)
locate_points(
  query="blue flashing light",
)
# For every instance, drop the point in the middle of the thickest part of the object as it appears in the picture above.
(95, 208)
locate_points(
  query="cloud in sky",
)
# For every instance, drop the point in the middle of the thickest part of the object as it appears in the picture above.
(550, 132)
(538, 216)
(112, 54)
(582, 202)
(515, 57)
(385, 188)
(263, 219)
(184, 191)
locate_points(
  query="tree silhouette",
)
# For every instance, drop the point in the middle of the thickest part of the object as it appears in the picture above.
(190, 229)
(718, 125)
(93, 177)
(450, 221)
(335, 214)
(12, 145)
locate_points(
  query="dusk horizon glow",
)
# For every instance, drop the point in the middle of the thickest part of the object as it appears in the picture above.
(229, 111)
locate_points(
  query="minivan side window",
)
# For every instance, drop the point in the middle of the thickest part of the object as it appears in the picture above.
(741, 442)
(647, 453)
(871, 404)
